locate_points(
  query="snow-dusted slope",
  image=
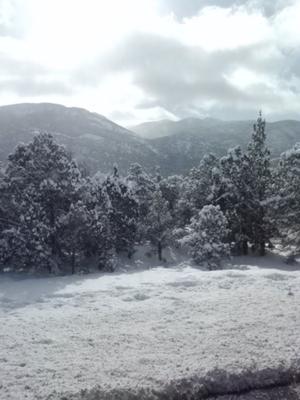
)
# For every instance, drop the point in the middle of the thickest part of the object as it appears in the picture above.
(91, 137)
(97, 336)
(176, 146)
(183, 143)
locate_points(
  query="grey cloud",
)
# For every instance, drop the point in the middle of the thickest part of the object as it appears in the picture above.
(290, 68)
(29, 79)
(186, 8)
(183, 9)
(34, 87)
(178, 78)
(182, 79)
(13, 66)
(268, 7)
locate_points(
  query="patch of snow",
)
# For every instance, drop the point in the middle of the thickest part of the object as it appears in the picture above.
(145, 330)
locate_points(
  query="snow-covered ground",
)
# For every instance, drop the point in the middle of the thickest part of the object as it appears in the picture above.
(164, 329)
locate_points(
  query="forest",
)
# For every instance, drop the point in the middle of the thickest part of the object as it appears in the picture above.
(54, 216)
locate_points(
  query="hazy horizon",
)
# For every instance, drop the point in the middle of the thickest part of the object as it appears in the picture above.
(128, 126)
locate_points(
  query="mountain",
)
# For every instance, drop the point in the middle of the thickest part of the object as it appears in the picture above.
(92, 138)
(98, 142)
(155, 129)
(183, 143)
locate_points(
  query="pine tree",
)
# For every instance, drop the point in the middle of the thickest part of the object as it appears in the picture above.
(73, 231)
(196, 190)
(234, 197)
(141, 186)
(122, 213)
(171, 190)
(206, 237)
(259, 165)
(23, 239)
(286, 197)
(184, 209)
(40, 184)
(98, 239)
(201, 181)
(158, 226)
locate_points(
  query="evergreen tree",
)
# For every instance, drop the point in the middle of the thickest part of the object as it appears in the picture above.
(234, 197)
(122, 213)
(74, 230)
(202, 180)
(259, 165)
(141, 186)
(158, 226)
(40, 184)
(196, 190)
(206, 237)
(286, 197)
(171, 190)
(98, 239)
(23, 238)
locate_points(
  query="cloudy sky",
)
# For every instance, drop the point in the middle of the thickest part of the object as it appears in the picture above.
(140, 60)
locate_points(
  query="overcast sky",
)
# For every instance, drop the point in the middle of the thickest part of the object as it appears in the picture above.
(140, 60)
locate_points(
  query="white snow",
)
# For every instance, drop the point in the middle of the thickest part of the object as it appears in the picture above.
(145, 328)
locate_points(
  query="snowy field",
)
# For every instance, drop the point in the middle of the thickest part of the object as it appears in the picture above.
(152, 333)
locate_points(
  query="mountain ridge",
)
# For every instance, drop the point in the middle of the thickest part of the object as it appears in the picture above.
(147, 127)
(186, 141)
(99, 143)
(91, 137)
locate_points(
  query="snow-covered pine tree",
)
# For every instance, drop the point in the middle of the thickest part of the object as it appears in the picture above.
(234, 197)
(74, 231)
(286, 197)
(142, 186)
(23, 236)
(6, 215)
(258, 156)
(158, 223)
(195, 190)
(171, 190)
(41, 182)
(201, 181)
(122, 212)
(97, 239)
(206, 237)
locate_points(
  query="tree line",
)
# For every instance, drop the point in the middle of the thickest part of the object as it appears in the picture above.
(54, 219)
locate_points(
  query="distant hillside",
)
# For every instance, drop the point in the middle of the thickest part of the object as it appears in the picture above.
(91, 137)
(155, 129)
(183, 143)
(175, 146)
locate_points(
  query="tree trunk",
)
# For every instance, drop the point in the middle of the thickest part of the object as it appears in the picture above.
(262, 248)
(245, 247)
(130, 254)
(73, 262)
(159, 250)
(49, 269)
(53, 239)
